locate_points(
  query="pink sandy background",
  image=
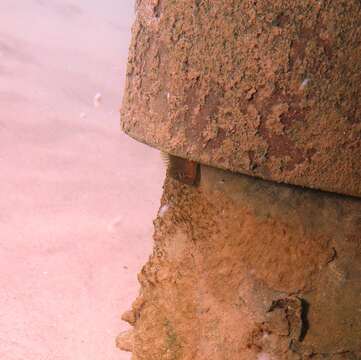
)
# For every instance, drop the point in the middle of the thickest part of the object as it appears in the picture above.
(77, 197)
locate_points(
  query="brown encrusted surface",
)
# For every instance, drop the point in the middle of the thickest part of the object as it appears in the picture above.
(244, 269)
(267, 88)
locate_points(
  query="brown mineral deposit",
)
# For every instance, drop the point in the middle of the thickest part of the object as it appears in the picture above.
(244, 269)
(257, 104)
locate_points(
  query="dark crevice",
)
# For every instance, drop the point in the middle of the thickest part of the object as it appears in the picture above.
(304, 317)
(157, 9)
(333, 256)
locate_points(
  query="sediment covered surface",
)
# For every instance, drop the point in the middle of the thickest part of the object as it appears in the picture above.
(246, 269)
(269, 89)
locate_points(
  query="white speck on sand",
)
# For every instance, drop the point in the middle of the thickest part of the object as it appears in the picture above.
(97, 99)
(115, 224)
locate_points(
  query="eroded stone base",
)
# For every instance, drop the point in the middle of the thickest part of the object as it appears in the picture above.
(245, 269)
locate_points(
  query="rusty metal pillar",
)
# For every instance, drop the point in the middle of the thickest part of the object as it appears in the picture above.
(258, 239)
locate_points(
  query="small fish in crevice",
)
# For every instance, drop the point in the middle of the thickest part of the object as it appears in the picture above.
(165, 158)
(183, 170)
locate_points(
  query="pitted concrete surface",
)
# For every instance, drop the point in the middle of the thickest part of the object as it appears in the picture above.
(268, 89)
(77, 197)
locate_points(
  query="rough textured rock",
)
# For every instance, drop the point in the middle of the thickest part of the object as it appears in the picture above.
(125, 341)
(245, 269)
(266, 88)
